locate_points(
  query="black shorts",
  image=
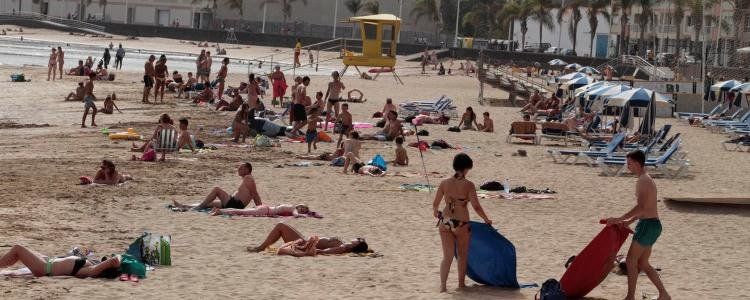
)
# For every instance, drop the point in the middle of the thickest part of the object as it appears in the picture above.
(148, 81)
(298, 113)
(333, 101)
(234, 203)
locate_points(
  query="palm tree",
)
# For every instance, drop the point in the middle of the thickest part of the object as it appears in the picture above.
(354, 6)
(594, 8)
(574, 7)
(484, 17)
(643, 19)
(517, 10)
(427, 9)
(678, 14)
(372, 7)
(624, 6)
(235, 4)
(286, 7)
(540, 11)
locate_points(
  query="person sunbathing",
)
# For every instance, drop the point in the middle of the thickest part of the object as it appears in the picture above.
(187, 86)
(77, 71)
(392, 129)
(42, 265)
(488, 125)
(237, 101)
(283, 210)
(533, 102)
(207, 95)
(78, 94)
(363, 169)
(107, 174)
(246, 192)
(295, 243)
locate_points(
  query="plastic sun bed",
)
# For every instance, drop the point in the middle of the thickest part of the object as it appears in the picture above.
(589, 156)
(666, 163)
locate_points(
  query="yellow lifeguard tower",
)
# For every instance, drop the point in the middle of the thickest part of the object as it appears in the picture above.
(379, 35)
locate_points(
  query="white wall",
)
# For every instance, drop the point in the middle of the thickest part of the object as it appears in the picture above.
(583, 44)
(117, 13)
(145, 15)
(185, 16)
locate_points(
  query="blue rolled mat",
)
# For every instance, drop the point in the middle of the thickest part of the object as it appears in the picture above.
(492, 257)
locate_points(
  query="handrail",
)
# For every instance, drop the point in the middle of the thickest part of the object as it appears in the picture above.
(62, 21)
(638, 62)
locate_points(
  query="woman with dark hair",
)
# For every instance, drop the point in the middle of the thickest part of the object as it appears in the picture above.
(108, 174)
(165, 122)
(468, 120)
(296, 245)
(453, 220)
(42, 265)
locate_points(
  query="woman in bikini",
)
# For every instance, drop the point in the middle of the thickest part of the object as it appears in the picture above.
(453, 220)
(333, 97)
(295, 243)
(468, 119)
(221, 76)
(107, 174)
(283, 210)
(52, 66)
(42, 265)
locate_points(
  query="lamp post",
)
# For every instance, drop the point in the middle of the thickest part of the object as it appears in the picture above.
(400, 6)
(559, 29)
(335, 17)
(703, 58)
(458, 16)
(263, 27)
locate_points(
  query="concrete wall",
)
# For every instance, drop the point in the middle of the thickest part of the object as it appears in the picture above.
(692, 103)
(117, 13)
(145, 15)
(523, 58)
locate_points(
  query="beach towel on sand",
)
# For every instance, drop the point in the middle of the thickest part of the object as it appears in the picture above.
(492, 258)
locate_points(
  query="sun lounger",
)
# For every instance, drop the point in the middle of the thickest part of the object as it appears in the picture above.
(440, 106)
(666, 163)
(166, 142)
(523, 130)
(688, 115)
(562, 133)
(737, 144)
(589, 156)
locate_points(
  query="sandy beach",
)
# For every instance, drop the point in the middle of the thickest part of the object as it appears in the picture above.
(700, 252)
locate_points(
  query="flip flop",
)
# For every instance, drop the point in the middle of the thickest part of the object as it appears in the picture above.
(124, 277)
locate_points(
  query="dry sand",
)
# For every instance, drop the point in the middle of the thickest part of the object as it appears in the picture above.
(702, 252)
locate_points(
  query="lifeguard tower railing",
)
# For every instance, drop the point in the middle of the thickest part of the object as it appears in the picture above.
(330, 50)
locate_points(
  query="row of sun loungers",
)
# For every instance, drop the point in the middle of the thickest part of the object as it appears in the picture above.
(440, 106)
(736, 126)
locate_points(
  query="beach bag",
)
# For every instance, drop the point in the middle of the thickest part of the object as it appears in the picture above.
(492, 186)
(152, 249)
(379, 162)
(423, 133)
(324, 137)
(17, 78)
(262, 141)
(377, 114)
(550, 290)
(441, 144)
(409, 119)
(454, 129)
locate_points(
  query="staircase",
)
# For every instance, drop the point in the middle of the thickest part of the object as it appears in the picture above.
(54, 21)
(640, 64)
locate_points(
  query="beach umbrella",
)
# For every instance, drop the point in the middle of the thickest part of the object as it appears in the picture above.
(725, 85)
(579, 92)
(606, 91)
(637, 97)
(557, 62)
(745, 50)
(578, 82)
(570, 76)
(625, 121)
(742, 88)
(647, 123)
(573, 66)
(588, 70)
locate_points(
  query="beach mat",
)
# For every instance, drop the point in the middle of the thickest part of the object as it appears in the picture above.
(591, 266)
(492, 258)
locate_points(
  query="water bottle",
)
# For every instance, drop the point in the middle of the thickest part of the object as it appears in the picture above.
(506, 186)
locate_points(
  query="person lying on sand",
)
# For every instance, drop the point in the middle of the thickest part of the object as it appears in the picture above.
(78, 94)
(283, 210)
(392, 129)
(363, 169)
(218, 198)
(296, 245)
(42, 265)
(107, 174)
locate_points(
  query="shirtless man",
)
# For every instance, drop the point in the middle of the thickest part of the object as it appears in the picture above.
(221, 76)
(391, 130)
(488, 125)
(187, 85)
(333, 97)
(298, 105)
(322, 245)
(148, 78)
(388, 107)
(207, 65)
(184, 137)
(52, 66)
(533, 101)
(88, 101)
(351, 147)
(160, 73)
(220, 199)
(60, 60)
(347, 123)
(110, 106)
(282, 210)
(647, 230)
(77, 95)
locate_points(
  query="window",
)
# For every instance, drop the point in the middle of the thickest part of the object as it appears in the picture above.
(747, 24)
(371, 31)
(689, 21)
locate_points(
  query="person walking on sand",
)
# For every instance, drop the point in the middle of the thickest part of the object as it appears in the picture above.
(297, 52)
(148, 78)
(648, 229)
(60, 60)
(106, 57)
(88, 101)
(453, 220)
(52, 66)
(333, 97)
(119, 56)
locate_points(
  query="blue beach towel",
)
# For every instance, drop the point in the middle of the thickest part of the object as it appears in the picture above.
(492, 258)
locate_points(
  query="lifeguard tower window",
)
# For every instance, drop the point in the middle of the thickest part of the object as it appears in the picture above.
(371, 31)
(388, 40)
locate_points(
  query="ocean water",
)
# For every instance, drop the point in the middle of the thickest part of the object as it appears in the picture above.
(29, 52)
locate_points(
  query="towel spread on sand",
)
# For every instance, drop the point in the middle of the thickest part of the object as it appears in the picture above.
(514, 196)
(417, 187)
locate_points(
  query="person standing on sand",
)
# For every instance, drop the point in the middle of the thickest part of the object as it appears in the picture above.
(221, 76)
(199, 65)
(297, 52)
(299, 116)
(148, 78)
(279, 85)
(453, 221)
(118, 57)
(161, 72)
(333, 97)
(207, 62)
(88, 101)
(648, 229)
(52, 66)
(60, 60)
(106, 57)
(220, 199)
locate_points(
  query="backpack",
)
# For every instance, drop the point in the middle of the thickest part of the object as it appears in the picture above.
(423, 132)
(491, 186)
(550, 290)
(454, 129)
(441, 144)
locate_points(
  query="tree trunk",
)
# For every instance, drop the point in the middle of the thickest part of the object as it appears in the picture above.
(623, 26)
(575, 34)
(540, 35)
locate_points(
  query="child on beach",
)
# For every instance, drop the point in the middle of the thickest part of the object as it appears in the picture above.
(110, 106)
(77, 95)
(648, 229)
(184, 138)
(311, 136)
(346, 121)
(402, 159)
(88, 101)
(239, 126)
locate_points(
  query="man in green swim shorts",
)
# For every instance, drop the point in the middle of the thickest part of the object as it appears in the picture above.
(647, 230)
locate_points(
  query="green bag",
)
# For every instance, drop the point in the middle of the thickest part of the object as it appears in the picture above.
(131, 265)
